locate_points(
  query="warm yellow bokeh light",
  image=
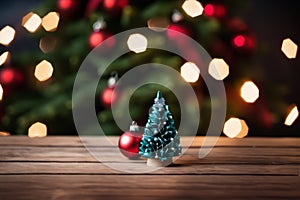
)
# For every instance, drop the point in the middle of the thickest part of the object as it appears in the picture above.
(193, 8)
(249, 92)
(3, 133)
(190, 72)
(289, 48)
(158, 24)
(50, 21)
(37, 129)
(137, 43)
(43, 71)
(4, 57)
(218, 69)
(1, 92)
(292, 116)
(235, 128)
(31, 22)
(7, 35)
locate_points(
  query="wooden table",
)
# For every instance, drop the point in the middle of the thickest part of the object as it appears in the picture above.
(61, 168)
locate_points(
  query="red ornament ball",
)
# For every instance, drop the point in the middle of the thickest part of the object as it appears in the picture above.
(215, 10)
(129, 144)
(108, 96)
(10, 76)
(70, 8)
(244, 42)
(96, 38)
(115, 4)
(174, 28)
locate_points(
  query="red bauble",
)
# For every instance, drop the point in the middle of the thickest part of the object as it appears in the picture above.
(244, 42)
(69, 8)
(108, 96)
(129, 143)
(215, 10)
(181, 28)
(114, 5)
(97, 37)
(10, 77)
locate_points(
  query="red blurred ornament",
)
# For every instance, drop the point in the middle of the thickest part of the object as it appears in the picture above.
(177, 28)
(69, 8)
(11, 77)
(215, 10)
(244, 42)
(114, 5)
(129, 142)
(96, 38)
(108, 96)
(99, 35)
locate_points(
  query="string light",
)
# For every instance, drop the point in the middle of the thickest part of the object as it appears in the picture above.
(7, 35)
(4, 57)
(31, 22)
(193, 8)
(190, 72)
(218, 69)
(235, 128)
(292, 116)
(1, 92)
(137, 43)
(50, 21)
(289, 48)
(249, 92)
(37, 129)
(43, 70)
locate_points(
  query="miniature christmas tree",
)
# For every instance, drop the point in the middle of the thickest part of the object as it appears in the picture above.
(160, 141)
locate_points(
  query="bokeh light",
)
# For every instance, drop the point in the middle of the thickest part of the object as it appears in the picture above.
(4, 57)
(289, 48)
(218, 69)
(292, 116)
(7, 35)
(193, 8)
(235, 128)
(50, 21)
(43, 70)
(158, 24)
(137, 43)
(37, 129)
(190, 72)
(249, 92)
(239, 40)
(31, 22)
(1, 92)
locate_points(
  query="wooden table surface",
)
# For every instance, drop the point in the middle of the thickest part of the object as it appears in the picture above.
(62, 168)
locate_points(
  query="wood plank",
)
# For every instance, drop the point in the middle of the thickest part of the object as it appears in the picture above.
(147, 187)
(238, 155)
(22, 168)
(70, 141)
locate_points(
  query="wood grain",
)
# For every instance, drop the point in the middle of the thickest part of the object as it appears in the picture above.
(62, 168)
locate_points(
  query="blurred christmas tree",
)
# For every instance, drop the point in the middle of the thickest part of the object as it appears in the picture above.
(37, 86)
